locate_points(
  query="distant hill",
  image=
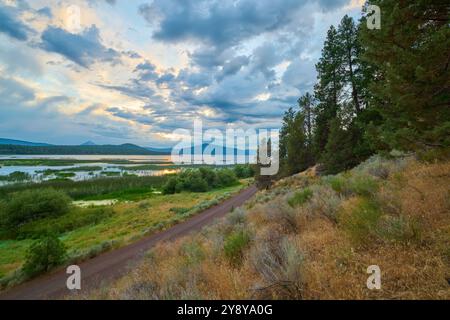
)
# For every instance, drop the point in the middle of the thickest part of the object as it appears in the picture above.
(22, 143)
(124, 149)
(160, 150)
(89, 143)
(204, 146)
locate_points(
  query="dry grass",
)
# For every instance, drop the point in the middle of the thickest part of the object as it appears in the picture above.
(320, 249)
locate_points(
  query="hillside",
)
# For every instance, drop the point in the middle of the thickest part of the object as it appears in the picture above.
(314, 237)
(124, 149)
(21, 143)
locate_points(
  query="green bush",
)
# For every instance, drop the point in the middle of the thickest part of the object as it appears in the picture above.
(179, 211)
(243, 171)
(44, 255)
(91, 189)
(226, 177)
(358, 184)
(199, 180)
(16, 176)
(234, 246)
(30, 205)
(398, 229)
(362, 222)
(300, 198)
(363, 185)
(337, 183)
(76, 218)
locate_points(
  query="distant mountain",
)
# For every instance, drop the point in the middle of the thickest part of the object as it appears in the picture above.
(22, 143)
(89, 143)
(234, 151)
(160, 150)
(124, 149)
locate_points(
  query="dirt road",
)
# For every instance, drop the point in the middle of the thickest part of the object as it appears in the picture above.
(113, 264)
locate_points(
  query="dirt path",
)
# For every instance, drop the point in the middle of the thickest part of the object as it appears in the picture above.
(113, 264)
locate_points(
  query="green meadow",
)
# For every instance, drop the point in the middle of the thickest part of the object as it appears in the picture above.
(140, 208)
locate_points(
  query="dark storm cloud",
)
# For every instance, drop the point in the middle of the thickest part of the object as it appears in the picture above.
(84, 49)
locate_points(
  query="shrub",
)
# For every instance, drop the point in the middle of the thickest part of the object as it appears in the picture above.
(338, 183)
(91, 189)
(31, 205)
(195, 182)
(300, 198)
(398, 229)
(179, 211)
(43, 255)
(238, 216)
(226, 177)
(16, 176)
(244, 171)
(382, 167)
(199, 180)
(361, 221)
(170, 186)
(324, 201)
(279, 264)
(193, 252)
(234, 246)
(356, 184)
(76, 218)
(280, 213)
(363, 185)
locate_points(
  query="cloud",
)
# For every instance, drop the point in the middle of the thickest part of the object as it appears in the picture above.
(46, 11)
(232, 67)
(240, 62)
(11, 25)
(221, 23)
(84, 49)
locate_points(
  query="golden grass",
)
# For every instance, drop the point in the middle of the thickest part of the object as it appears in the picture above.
(333, 264)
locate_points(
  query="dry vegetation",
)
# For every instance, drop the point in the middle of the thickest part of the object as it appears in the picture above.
(392, 213)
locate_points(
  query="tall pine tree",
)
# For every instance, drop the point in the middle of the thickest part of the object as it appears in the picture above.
(328, 90)
(411, 89)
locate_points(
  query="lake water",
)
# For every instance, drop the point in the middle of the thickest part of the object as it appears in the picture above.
(105, 165)
(131, 158)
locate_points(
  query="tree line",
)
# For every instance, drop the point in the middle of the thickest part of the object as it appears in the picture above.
(377, 90)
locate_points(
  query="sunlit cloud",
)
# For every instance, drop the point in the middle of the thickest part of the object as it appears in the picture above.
(138, 71)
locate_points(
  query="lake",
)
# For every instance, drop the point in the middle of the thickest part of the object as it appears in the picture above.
(85, 166)
(89, 157)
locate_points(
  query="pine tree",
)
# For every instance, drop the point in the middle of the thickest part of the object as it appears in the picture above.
(306, 108)
(339, 151)
(411, 89)
(351, 64)
(288, 119)
(297, 152)
(329, 89)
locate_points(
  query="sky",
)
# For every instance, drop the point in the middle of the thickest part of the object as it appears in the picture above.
(121, 71)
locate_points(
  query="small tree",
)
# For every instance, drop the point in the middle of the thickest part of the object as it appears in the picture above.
(44, 254)
(30, 205)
